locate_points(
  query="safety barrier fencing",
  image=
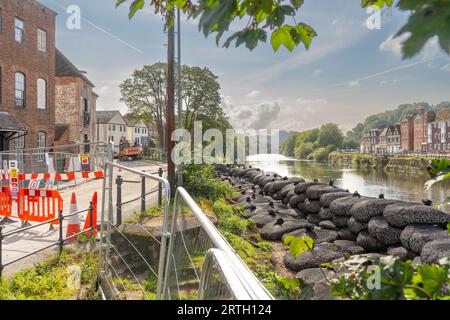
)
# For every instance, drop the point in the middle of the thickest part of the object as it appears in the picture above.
(6, 202)
(89, 228)
(150, 252)
(132, 237)
(200, 263)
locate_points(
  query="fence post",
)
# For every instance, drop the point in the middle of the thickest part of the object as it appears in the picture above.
(142, 194)
(1, 252)
(91, 222)
(160, 173)
(119, 182)
(61, 239)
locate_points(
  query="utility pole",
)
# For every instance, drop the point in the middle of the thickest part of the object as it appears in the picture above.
(170, 110)
(180, 103)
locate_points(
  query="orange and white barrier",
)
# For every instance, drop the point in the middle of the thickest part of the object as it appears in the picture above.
(5, 202)
(73, 226)
(39, 205)
(56, 176)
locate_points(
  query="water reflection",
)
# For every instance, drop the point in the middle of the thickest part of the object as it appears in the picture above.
(366, 182)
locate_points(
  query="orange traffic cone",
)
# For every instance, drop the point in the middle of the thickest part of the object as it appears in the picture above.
(74, 221)
(87, 224)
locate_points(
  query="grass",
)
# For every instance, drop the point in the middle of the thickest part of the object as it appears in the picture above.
(52, 279)
(141, 216)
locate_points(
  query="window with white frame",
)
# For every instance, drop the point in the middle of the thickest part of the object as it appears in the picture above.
(19, 33)
(41, 137)
(42, 40)
(19, 84)
(41, 94)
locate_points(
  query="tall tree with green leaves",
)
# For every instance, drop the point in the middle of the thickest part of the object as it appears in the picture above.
(145, 96)
(276, 19)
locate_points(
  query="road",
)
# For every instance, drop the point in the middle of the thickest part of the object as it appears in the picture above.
(22, 243)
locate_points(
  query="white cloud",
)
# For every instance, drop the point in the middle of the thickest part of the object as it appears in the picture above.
(385, 82)
(253, 94)
(394, 45)
(318, 72)
(354, 83)
(446, 67)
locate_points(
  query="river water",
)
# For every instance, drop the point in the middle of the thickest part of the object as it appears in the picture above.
(368, 182)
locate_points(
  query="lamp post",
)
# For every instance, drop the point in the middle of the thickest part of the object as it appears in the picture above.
(170, 108)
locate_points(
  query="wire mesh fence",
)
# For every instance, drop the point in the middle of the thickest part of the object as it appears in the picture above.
(134, 212)
(200, 263)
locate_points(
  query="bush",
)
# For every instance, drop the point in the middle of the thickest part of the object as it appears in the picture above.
(228, 220)
(304, 150)
(199, 182)
(320, 154)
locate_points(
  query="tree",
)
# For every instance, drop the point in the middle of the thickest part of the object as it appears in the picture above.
(330, 135)
(201, 99)
(145, 96)
(304, 150)
(428, 18)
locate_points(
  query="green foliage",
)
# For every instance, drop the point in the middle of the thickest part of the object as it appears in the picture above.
(199, 182)
(298, 245)
(139, 216)
(250, 225)
(282, 287)
(394, 280)
(48, 279)
(439, 170)
(304, 150)
(227, 218)
(428, 18)
(330, 135)
(265, 246)
(320, 154)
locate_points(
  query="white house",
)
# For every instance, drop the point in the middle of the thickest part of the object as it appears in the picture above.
(111, 126)
(137, 131)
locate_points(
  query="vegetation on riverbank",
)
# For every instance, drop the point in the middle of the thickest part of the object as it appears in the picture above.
(395, 164)
(55, 279)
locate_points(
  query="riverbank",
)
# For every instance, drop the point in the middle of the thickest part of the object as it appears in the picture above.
(388, 163)
(345, 227)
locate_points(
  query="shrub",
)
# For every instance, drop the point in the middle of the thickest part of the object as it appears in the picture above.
(320, 154)
(304, 150)
(228, 220)
(199, 182)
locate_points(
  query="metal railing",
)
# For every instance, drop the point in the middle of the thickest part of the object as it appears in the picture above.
(61, 239)
(132, 255)
(200, 262)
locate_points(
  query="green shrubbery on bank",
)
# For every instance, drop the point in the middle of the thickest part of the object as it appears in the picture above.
(54, 279)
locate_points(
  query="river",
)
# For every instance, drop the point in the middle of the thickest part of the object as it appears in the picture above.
(368, 182)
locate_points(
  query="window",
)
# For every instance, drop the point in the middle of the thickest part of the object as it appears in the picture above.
(109, 128)
(19, 34)
(41, 94)
(42, 40)
(114, 127)
(41, 146)
(85, 100)
(20, 145)
(20, 89)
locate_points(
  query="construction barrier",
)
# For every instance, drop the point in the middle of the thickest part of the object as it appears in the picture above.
(5, 202)
(56, 176)
(39, 205)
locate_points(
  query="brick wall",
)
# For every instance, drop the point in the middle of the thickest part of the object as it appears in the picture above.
(25, 58)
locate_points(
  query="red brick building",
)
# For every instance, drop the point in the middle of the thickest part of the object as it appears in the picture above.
(407, 133)
(421, 120)
(439, 132)
(371, 141)
(75, 104)
(27, 75)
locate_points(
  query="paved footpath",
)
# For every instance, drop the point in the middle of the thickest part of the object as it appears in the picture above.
(25, 242)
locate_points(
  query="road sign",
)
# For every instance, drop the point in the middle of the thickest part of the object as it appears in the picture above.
(14, 178)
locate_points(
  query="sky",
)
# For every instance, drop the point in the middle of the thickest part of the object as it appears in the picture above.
(348, 73)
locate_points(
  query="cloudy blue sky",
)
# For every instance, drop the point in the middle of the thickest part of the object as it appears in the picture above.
(348, 73)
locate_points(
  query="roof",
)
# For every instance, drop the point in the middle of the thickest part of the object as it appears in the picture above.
(65, 68)
(106, 116)
(384, 132)
(443, 115)
(130, 120)
(10, 124)
(60, 129)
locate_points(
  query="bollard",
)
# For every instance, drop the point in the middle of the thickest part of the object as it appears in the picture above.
(119, 181)
(142, 194)
(61, 239)
(160, 173)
